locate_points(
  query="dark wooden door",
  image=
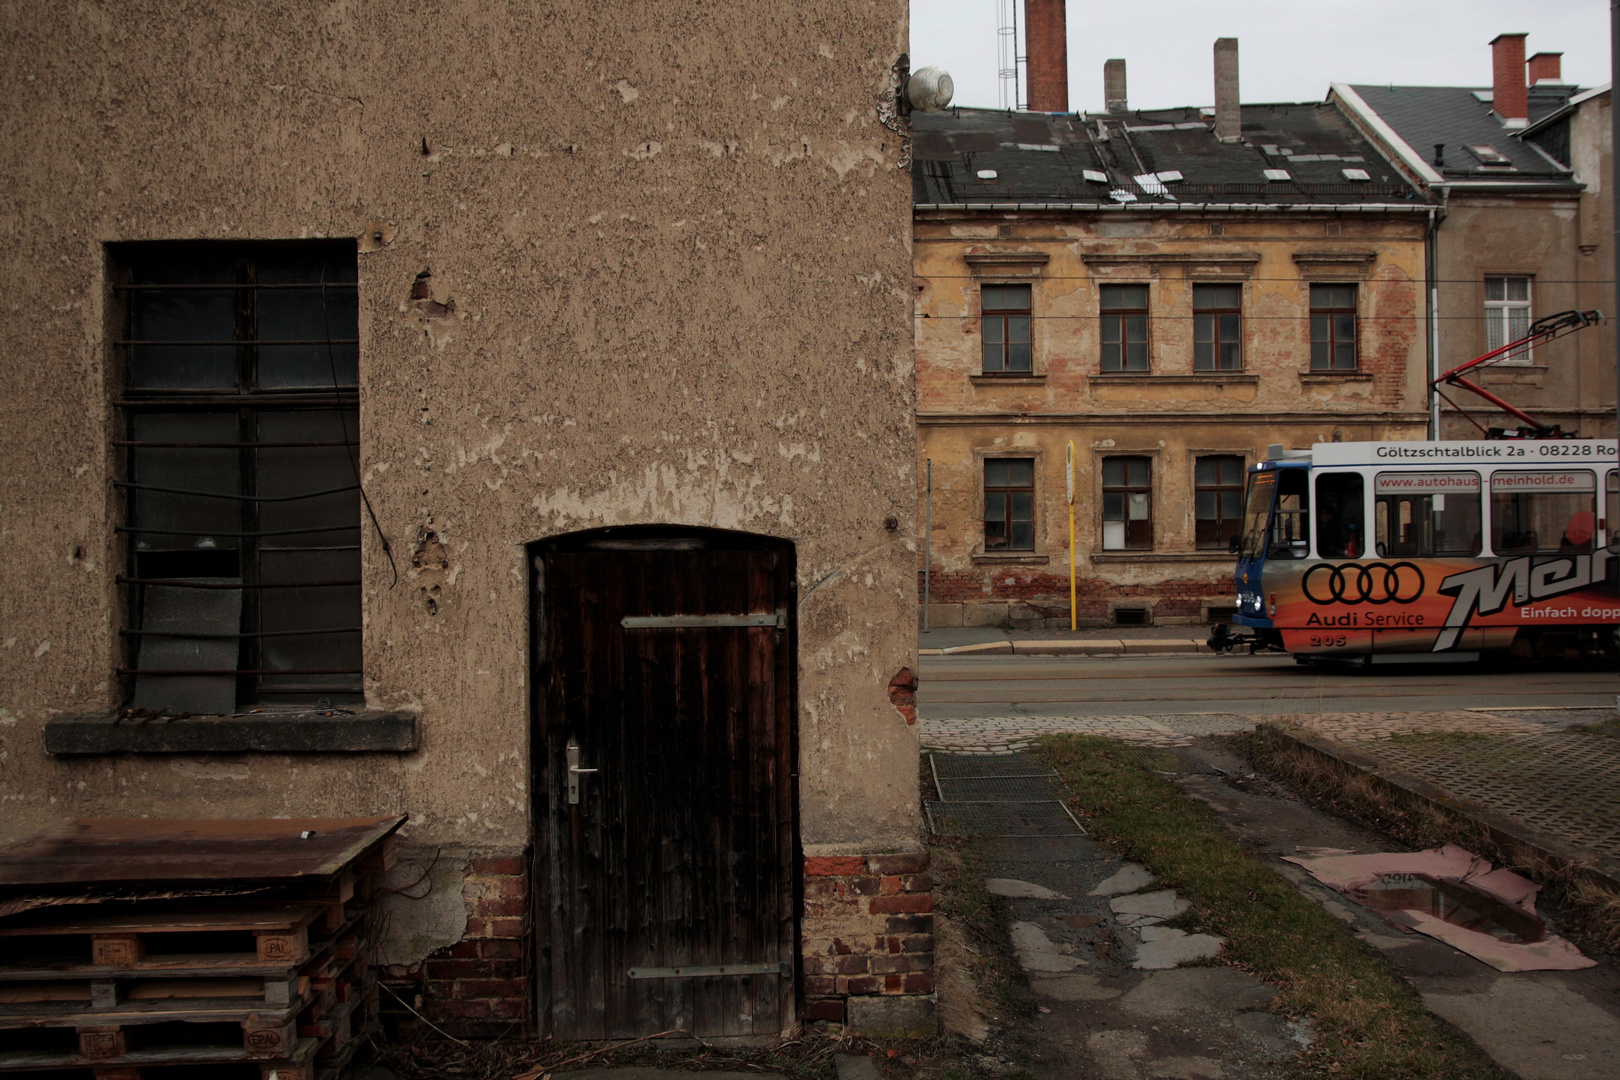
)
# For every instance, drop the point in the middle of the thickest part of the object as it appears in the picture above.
(664, 662)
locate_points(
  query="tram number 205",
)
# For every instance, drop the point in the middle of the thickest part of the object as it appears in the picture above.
(1329, 641)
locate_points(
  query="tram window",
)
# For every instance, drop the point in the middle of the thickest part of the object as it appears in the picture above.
(1340, 518)
(1288, 536)
(1612, 511)
(1428, 513)
(1257, 512)
(1543, 510)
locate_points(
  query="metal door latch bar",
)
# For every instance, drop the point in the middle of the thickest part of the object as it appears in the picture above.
(695, 971)
(777, 618)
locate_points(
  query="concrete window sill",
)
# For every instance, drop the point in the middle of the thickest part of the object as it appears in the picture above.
(1177, 379)
(1020, 379)
(272, 733)
(1335, 376)
(1163, 556)
(1011, 558)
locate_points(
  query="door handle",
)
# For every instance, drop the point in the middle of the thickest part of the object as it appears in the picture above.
(574, 772)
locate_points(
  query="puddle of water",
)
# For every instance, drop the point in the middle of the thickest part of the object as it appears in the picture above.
(1453, 901)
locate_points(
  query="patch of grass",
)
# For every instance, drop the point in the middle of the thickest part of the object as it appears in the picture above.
(1371, 1024)
(1611, 728)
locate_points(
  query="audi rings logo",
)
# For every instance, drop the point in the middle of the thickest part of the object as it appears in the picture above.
(1352, 583)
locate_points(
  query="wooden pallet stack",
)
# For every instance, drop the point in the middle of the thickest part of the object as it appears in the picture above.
(251, 961)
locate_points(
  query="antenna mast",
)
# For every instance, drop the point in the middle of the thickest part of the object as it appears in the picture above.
(1007, 53)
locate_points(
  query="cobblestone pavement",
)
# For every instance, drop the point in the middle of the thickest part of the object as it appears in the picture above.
(1009, 734)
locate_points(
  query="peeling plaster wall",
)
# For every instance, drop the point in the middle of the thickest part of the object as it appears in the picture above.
(621, 263)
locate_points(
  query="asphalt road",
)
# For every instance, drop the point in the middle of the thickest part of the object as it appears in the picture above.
(964, 687)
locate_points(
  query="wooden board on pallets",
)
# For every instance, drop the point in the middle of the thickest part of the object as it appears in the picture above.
(210, 851)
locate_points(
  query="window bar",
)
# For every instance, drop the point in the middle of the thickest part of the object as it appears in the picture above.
(241, 671)
(232, 495)
(275, 532)
(181, 583)
(198, 634)
(236, 286)
(232, 445)
(233, 342)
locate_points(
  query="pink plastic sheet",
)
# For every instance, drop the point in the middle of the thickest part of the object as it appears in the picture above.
(1386, 881)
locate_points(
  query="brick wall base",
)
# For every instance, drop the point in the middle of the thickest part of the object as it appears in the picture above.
(868, 944)
(478, 988)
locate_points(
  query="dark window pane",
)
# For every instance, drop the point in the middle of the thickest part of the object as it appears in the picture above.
(1231, 505)
(1203, 356)
(1110, 358)
(992, 330)
(1018, 328)
(297, 471)
(1136, 471)
(1231, 356)
(1023, 536)
(1124, 297)
(1018, 358)
(308, 315)
(995, 506)
(1207, 470)
(1113, 506)
(1231, 328)
(1113, 472)
(1023, 506)
(1020, 471)
(185, 469)
(1344, 355)
(1205, 503)
(992, 356)
(1112, 327)
(182, 315)
(1006, 297)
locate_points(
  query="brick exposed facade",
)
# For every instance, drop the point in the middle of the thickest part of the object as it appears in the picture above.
(481, 986)
(868, 932)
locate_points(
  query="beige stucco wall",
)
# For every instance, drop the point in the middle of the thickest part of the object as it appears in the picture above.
(1171, 414)
(1545, 238)
(676, 238)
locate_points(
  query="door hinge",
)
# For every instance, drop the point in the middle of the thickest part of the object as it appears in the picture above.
(698, 971)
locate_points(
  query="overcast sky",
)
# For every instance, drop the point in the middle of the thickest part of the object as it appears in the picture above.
(1289, 50)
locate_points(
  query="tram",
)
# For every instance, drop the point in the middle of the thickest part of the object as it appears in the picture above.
(1410, 551)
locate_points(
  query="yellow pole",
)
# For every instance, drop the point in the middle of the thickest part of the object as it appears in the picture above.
(1068, 459)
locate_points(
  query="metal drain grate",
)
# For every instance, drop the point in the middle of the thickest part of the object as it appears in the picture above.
(1009, 819)
(999, 795)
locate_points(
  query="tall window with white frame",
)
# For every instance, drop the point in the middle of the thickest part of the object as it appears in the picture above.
(1217, 328)
(1004, 322)
(1009, 504)
(1127, 489)
(1507, 315)
(240, 452)
(1123, 311)
(1333, 327)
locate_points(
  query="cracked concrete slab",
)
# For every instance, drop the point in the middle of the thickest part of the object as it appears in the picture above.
(1163, 904)
(1130, 878)
(1037, 952)
(1014, 889)
(1173, 952)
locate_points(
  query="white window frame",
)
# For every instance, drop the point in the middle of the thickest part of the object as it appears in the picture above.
(1499, 316)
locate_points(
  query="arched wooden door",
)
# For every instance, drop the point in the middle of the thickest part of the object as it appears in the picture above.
(664, 760)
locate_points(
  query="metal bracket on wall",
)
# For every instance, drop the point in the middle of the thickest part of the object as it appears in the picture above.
(777, 619)
(695, 971)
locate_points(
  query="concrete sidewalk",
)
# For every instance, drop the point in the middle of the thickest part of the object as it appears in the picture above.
(1094, 641)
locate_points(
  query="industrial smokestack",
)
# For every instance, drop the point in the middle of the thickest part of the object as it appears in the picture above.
(1546, 67)
(1228, 115)
(1046, 42)
(1508, 96)
(1114, 86)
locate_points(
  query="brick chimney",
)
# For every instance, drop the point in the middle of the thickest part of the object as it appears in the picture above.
(1046, 45)
(1228, 117)
(1114, 86)
(1508, 96)
(1546, 67)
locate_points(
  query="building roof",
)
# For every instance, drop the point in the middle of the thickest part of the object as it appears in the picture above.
(1461, 118)
(1167, 156)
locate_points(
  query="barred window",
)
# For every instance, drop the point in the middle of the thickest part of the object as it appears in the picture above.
(241, 497)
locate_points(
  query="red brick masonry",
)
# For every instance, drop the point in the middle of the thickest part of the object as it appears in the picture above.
(478, 987)
(868, 931)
